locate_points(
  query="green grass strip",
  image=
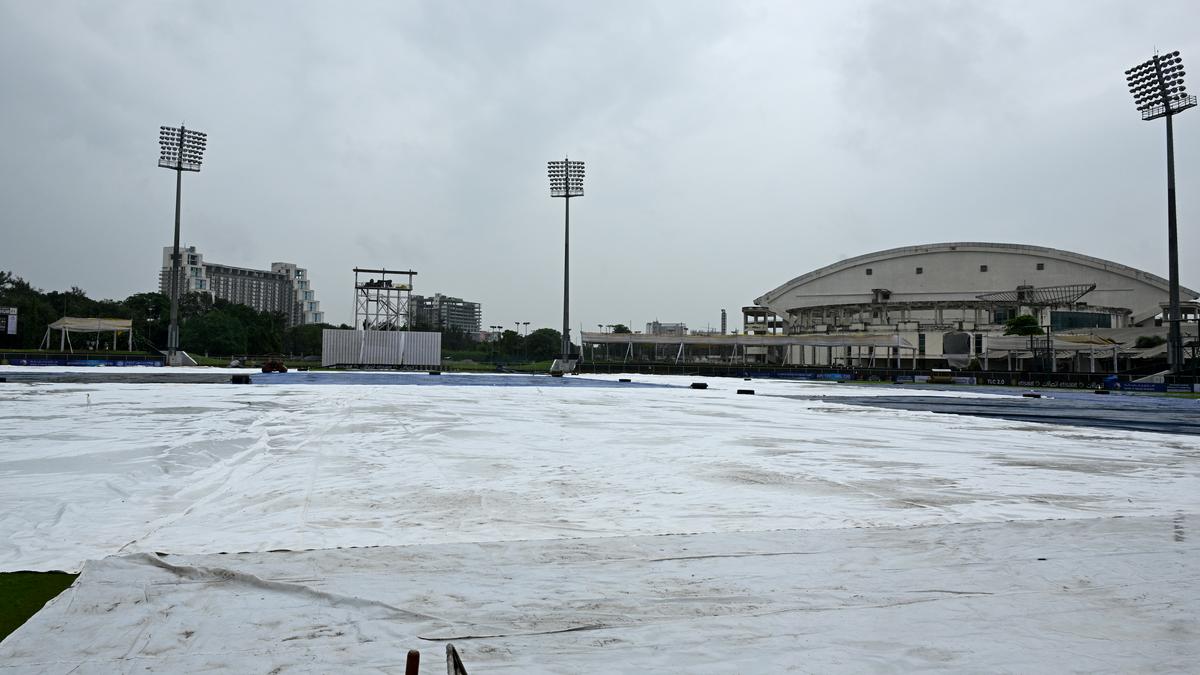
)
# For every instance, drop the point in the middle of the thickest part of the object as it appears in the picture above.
(22, 594)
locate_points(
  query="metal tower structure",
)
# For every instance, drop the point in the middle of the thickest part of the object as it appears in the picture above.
(566, 181)
(380, 302)
(180, 149)
(1158, 91)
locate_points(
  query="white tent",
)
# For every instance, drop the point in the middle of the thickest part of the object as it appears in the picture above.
(1022, 347)
(72, 324)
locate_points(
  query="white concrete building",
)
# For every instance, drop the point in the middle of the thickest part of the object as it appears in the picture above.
(284, 288)
(306, 307)
(660, 328)
(925, 293)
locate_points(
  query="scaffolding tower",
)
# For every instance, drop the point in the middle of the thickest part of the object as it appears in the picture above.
(381, 301)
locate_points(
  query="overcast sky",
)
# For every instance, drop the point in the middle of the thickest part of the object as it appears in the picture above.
(730, 146)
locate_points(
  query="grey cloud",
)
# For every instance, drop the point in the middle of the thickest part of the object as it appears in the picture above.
(729, 146)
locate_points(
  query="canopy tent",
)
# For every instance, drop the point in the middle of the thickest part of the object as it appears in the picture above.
(1063, 343)
(1023, 347)
(73, 324)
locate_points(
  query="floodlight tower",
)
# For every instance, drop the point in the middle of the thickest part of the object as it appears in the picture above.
(1158, 90)
(566, 181)
(180, 149)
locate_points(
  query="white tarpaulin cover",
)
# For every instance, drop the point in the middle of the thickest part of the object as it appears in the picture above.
(466, 478)
(92, 470)
(1091, 595)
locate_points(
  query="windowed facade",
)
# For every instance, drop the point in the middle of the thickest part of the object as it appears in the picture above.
(443, 312)
(1071, 320)
(276, 290)
(1070, 292)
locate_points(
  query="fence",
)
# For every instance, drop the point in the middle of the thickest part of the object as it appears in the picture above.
(79, 359)
(1073, 380)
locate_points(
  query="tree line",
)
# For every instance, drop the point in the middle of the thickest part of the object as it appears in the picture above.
(508, 346)
(206, 326)
(219, 327)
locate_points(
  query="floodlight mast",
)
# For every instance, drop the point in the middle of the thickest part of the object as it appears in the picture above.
(180, 149)
(566, 181)
(1158, 90)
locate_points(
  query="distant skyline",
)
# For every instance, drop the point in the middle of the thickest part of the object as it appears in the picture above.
(729, 146)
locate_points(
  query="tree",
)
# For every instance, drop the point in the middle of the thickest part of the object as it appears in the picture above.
(216, 333)
(206, 326)
(1022, 325)
(510, 344)
(194, 304)
(304, 340)
(34, 311)
(150, 313)
(543, 344)
(621, 328)
(1148, 341)
(456, 338)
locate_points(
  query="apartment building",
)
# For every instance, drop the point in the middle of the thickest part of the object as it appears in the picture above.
(284, 288)
(444, 312)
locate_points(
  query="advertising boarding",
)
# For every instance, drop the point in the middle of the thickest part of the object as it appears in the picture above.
(8, 320)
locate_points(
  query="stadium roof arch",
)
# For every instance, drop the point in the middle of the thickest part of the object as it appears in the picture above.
(965, 271)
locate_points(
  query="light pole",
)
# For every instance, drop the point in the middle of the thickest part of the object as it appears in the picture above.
(495, 341)
(1158, 90)
(180, 149)
(566, 181)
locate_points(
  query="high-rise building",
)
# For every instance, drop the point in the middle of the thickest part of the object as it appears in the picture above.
(444, 312)
(284, 288)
